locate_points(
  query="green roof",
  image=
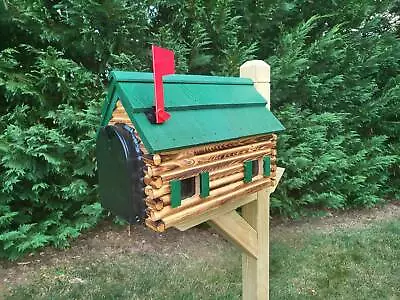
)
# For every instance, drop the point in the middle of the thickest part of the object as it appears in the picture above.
(204, 109)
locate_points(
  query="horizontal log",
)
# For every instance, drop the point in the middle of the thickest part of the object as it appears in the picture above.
(147, 190)
(217, 179)
(152, 159)
(226, 171)
(156, 182)
(156, 226)
(164, 191)
(119, 112)
(209, 157)
(157, 215)
(213, 165)
(226, 180)
(124, 120)
(198, 150)
(223, 172)
(154, 204)
(157, 159)
(213, 175)
(157, 193)
(245, 189)
(147, 180)
(113, 122)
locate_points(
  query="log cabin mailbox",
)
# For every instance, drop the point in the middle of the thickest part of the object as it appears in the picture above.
(210, 150)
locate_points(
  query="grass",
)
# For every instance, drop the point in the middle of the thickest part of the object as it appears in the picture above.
(346, 264)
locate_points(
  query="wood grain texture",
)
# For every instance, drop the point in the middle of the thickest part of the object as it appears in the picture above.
(249, 263)
(227, 207)
(209, 148)
(156, 226)
(215, 212)
(255, 272)
(209, 157)
(157, 159)
(162, 193)
(164, 190)
(226, 180)
(154, 193)
(119, 119)
(168, 210)
(226, 171)
(232, 226)
(155, 182)
(213, 165)
(175, 218)
(154, 204)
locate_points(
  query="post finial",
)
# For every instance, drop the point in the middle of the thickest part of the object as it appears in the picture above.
(259, 72)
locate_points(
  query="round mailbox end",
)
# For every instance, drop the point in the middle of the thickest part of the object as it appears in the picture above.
(120, 170)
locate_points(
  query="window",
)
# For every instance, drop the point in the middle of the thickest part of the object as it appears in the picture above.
(182, 189)
(188, 187)
(255, 167)
(251, 170)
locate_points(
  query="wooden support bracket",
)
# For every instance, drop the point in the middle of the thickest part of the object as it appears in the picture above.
(214, 213)
(233, 227)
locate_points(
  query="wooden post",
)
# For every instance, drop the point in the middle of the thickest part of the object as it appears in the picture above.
(255, 271)
(259, 72)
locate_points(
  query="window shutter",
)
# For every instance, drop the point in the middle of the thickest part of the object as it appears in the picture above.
(248, 171)
(267, 166)
(204, 184)
(176, 188)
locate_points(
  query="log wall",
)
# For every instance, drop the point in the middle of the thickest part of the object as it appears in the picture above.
(224, 162)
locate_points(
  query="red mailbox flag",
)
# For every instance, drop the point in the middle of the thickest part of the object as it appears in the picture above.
(163, 64)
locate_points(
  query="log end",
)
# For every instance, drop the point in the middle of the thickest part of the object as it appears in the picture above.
(157, 159)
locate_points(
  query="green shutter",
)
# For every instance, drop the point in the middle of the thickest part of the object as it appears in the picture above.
(267, 166)
(248, 170)
(204, 184)
(175, 186)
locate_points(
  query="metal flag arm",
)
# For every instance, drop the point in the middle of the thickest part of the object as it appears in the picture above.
(163, 64)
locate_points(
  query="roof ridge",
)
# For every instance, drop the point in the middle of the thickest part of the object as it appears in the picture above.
(124, 76)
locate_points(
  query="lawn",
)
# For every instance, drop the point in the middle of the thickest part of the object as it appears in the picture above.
(362, 263)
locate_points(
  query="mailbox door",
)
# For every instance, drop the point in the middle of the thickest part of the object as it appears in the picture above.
(120, 170)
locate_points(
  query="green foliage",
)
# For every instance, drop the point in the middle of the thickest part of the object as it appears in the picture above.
(342, 117)
(328, 165)
(47, 190)
(335, 85)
